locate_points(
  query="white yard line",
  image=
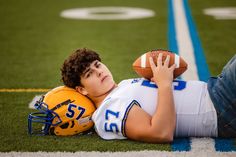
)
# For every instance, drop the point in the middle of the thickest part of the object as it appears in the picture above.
(205, 145)
(119, 154)
(184, 42)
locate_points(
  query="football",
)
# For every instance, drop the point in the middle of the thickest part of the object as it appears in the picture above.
(142, 66)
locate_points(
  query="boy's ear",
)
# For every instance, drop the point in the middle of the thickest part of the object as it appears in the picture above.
(81, 90)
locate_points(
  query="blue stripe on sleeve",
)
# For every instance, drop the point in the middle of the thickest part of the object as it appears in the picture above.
(134, 102)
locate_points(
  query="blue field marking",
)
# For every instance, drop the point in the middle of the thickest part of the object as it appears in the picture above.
(171, 27)
(173, 46)
(181, 144)
(225, 145)
(203, 71)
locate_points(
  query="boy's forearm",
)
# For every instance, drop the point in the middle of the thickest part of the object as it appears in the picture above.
(164, 119)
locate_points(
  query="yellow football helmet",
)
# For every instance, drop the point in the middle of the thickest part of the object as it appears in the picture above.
(63, 111)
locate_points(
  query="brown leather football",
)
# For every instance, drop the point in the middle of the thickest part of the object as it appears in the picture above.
(142, 66)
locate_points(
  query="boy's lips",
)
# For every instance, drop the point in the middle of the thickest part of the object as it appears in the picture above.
(104, 78)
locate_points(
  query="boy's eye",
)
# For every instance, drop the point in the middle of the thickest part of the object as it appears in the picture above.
(89, 73)
(98, 65)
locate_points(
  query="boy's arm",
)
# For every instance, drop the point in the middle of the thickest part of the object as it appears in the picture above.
(160, 127)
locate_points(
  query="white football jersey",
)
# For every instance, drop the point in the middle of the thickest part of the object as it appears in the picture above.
(196, 115)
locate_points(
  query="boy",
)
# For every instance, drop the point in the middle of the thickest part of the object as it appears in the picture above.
(154, 111)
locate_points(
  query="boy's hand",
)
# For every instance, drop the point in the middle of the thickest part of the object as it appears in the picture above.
(162, 74)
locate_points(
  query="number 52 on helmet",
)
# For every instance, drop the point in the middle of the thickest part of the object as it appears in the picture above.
(62, 111)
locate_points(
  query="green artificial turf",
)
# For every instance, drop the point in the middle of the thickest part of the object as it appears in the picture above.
(217, 36)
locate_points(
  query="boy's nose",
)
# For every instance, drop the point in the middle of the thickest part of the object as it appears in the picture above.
(99, 72)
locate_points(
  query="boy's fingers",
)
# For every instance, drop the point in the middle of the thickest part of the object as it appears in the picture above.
(152, 63)
(159, 60)
(173, 67)
(167, 61)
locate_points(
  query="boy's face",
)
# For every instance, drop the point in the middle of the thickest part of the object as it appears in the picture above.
(97, 80)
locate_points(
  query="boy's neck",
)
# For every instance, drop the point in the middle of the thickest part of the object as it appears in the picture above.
(98, 100)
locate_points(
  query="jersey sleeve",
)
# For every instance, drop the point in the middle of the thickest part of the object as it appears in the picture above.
(111, 116)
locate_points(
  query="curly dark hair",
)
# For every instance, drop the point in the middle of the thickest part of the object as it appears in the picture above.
(74, 66)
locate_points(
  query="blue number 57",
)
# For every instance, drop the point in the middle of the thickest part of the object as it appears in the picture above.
(111, 127)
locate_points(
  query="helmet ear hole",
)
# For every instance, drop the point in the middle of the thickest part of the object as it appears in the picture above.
(64, 126)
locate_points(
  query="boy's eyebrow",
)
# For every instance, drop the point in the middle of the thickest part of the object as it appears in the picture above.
(96, 62)
(88, 69)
